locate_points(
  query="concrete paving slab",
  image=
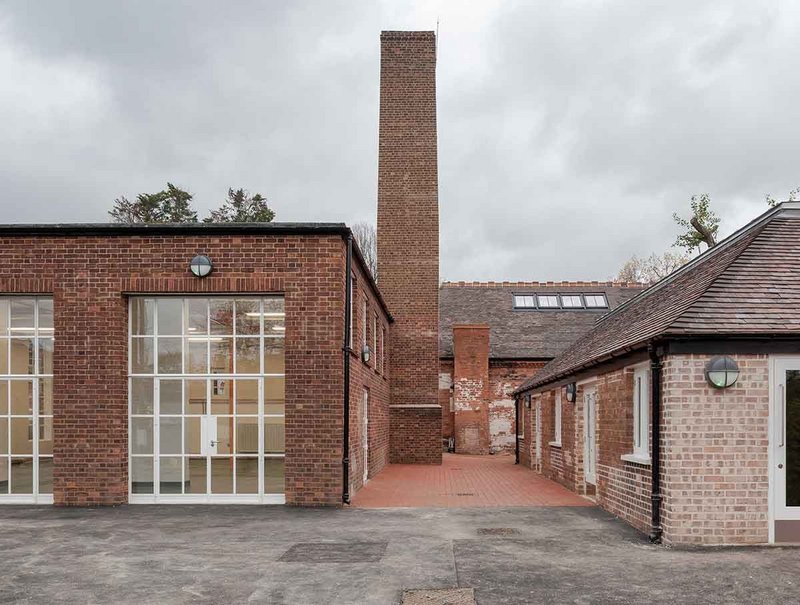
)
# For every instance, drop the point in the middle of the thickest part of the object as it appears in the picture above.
(232, 554)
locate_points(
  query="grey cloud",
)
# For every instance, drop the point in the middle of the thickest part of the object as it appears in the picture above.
(568, 131)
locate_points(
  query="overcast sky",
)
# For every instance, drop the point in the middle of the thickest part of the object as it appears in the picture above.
(568, 131)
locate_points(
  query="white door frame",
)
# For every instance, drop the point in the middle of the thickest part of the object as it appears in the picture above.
(778, 511)
(365, 434)
(590, 436)
(538, 428)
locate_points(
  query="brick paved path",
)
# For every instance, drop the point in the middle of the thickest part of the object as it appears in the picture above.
(463, 481)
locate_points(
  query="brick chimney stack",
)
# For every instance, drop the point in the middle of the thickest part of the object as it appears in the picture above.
(408, 240)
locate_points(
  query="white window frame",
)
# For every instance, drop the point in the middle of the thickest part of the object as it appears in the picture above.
(641, 415)
(539, 298)
(570, 296)
(364, 324)
(557, 419)
(521, 423)
(524, 301)
(374, 355)
(352, 309)
(588, 299)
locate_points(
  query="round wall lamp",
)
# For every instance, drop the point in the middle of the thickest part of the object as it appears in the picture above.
(572, 390)
(365, 353)
(722, 372)
(201, 266)
(528, 401)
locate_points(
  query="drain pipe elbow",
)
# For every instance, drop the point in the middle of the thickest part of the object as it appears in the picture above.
(656, 368)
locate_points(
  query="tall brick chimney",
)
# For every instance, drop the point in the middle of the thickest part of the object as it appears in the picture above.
(408, 240)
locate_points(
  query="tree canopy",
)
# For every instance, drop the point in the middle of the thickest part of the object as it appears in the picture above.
(241, 207)
(171, 205)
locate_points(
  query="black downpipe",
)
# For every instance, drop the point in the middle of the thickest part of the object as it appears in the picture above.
(516, 428)
(346, 351)
(655, 444)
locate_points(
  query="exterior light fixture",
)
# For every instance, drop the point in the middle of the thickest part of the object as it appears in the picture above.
(528, 401)
(572, 390)
(722, 372)
(365, 353)
(201, 266)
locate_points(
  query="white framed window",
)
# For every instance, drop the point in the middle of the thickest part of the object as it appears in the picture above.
(571, 301)
(383, 350)
(363, 323)
(547, 301)
(596, 301)
(524, 301)
(641, 413)
(557, 419)
(352, 319)
(375, 340)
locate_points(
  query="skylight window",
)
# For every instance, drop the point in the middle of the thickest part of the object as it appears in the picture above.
(524, 302)
(596, 301)
(548, 301)
(571, 301)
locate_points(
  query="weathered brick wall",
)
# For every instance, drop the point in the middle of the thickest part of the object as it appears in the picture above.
(715, 470)
(446, 370)
(471, 388)
(408, 223)
(88, 278)
(371, 376)
(504, 377)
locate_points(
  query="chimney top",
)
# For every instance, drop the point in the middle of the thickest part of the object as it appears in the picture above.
(401, 35)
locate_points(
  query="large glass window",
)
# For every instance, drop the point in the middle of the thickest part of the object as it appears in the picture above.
(207, 404)
(26, 399)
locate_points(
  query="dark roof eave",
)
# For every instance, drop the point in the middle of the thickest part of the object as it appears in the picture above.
(541, 385)
(123, 229)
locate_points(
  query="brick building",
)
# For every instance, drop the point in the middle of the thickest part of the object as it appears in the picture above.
(494, 335)
(229, 362)
(711, 353)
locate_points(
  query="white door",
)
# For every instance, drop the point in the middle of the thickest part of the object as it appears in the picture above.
(590, 436)
(538, 433)
(365, 433)
(786, 438)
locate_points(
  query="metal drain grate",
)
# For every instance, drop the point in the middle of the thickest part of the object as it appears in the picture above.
(439, 596)
(497, 531)
(334, 552)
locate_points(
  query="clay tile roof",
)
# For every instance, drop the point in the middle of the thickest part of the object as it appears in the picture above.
(748, 284)
(522, 334)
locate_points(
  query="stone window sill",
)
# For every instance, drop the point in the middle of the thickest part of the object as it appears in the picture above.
(636, 459)
(554, 444)
(520, 437)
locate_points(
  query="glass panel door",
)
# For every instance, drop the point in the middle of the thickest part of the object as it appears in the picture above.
(786, 439)
(207, 405)
(26, 399)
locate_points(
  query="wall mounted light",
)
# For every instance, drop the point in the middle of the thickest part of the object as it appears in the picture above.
(572, 391)
(528, 401)
(722, 372)
(365, 353)
(201, 266)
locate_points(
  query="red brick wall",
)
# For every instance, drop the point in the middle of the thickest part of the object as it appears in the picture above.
(471, 388)
(558, 462)
(371, 376)
(408, 223)
(421, 420)
(88, 277)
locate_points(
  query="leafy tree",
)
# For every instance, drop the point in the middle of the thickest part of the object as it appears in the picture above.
(364, 234)
(793, 195)
(172, 205)
(241, 207)
(701, 228)
(651, 269)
